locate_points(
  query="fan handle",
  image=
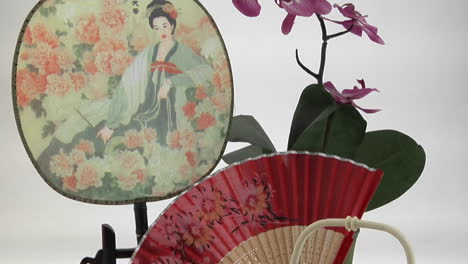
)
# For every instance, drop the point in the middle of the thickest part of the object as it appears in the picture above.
(351, 224)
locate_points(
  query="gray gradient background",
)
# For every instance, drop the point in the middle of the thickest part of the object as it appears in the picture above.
(421, 73)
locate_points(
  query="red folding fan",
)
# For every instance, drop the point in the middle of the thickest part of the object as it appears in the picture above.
(254, 211)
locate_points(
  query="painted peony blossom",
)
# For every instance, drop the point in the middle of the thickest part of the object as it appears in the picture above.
(174, 139)
(189, 110)
(88, 30)
(28, 86)
(86, 146)
(191, 159)
(41, 34)
(201, 92)
(221, 101)
(188, 138)
(70, 183)
(358, 22)
(79, 80)
(114, 20)
(150, 134)
(347, 96)
(60, 85)
(88, 175)
(294, 8)
(133, 139)
(219, 82)
(205, 121)
(45, 58)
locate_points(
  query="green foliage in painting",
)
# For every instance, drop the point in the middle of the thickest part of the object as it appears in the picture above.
(60, 33)
(80, 49)
(32, 68)
(48, 129)
(190, 94)
(38, 108)
(113, 81)
(44, 12)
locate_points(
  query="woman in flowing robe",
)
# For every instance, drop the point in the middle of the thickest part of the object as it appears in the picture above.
(151, 93)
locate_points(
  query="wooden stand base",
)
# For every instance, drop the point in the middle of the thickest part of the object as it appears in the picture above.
(109, 252)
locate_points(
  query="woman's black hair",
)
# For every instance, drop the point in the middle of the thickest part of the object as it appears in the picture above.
(158, 12)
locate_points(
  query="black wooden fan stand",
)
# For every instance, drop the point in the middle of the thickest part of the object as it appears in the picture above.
(109, 253)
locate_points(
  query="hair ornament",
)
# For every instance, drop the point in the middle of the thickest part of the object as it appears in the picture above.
(166, 8)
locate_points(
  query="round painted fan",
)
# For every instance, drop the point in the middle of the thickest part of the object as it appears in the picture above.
(121, 101)
(254, 211)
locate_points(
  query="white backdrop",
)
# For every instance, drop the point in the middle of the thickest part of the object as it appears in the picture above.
(420, 73)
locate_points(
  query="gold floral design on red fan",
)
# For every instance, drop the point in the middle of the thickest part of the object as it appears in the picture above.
(254, 204)
(254, 200)
(168, 231)
(195, 232)
(212, 205)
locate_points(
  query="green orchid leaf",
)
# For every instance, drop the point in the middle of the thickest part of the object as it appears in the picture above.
(313, 101)
(245, 128)
(313, 137)
(338, 130)
(242, 154)
(399, 156)
(345, 132)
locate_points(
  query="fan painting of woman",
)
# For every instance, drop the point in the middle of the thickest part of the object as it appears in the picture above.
(163, 127)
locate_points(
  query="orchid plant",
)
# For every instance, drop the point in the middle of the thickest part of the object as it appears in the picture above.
(327, 120)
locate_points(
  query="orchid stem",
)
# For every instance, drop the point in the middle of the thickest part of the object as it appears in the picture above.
(324, 49)
(315, 75)
(325, 38)
(340, 33)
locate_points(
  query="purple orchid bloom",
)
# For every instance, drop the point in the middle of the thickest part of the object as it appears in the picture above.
(294, 8)
(250, 8)
(347, 96)
(358, 23)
